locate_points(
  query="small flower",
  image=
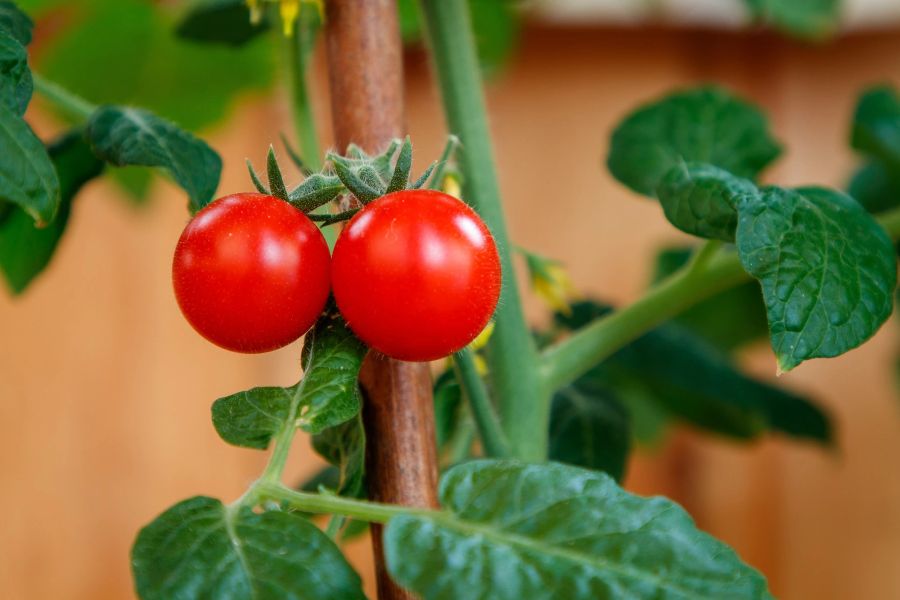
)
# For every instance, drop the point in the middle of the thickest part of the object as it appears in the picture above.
(289, 9)
(451, 186)
(550, 281)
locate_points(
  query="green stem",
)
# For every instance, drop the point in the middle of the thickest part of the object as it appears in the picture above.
(572, 357)
(373, 512)
(492, 436)
(710, 271)
(73, 105)
(511, 354)
(283, 440)
(301, 107)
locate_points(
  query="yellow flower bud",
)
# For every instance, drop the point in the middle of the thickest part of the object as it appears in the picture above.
(289, 10)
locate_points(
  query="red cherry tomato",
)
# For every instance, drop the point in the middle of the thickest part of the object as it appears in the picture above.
(251, 273)
(416, 275)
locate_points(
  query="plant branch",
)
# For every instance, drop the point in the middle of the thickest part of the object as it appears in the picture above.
(65, 100)
(492, 436)
(301, 107)
(512, 356)
(710, 271)
(373, 512)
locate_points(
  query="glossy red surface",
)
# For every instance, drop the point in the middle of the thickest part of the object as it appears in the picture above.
(251, 273)
(416, 274)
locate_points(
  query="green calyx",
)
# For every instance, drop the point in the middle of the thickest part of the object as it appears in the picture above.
(366, 177)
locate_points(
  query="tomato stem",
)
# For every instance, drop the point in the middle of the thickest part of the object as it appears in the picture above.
(710, 271)
(511, 354)
(492, 436)
(298, 51)
(70, 103)
(373, 512)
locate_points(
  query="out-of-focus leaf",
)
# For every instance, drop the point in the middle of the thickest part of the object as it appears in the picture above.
(805, 19)
(220, 22)
(26, 250)
(691, 379)
(876, 186)
(130, 136)
(15, 22)
(15, 76)
(27, 176)
(447, 404)
(589, 428)
(495, 25)
(512, 531)
(876, 125)
(191, 84)
(344, 446)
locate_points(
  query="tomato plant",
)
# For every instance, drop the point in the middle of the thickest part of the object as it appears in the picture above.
(534, 423)
(416, 275)
(251, 272)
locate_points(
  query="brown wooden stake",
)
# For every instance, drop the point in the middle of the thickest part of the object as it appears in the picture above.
(365, 67)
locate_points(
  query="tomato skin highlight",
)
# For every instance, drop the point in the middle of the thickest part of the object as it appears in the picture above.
(416, 275)
(251, 273)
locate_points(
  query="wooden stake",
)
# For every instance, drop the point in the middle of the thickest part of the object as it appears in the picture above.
(365, 67)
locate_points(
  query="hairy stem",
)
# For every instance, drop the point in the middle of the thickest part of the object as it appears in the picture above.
(511, 354)
(71, 104)
(373, 512)
(492, 436)
(298, 51)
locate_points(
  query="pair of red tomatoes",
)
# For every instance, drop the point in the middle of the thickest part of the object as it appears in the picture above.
(415, 274)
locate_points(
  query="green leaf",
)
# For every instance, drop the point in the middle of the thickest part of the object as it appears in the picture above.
(715, 319)
(220, 22)
(806, 19)
(827, 269)
(589, 430)
(703, 125)
(551, 531)
(701, 199)
(495, 26)
(15, 23)
(26, 250)
(201, 548)
(876, 125)
(16, 85)
(344, 447)
(250, 419)
(876, 186)
(328, 394)
(689, 378)
(332, 357)
(129, 136)
(194, 85)
(27, 177)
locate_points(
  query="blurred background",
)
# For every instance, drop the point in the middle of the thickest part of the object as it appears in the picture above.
(105, 390)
